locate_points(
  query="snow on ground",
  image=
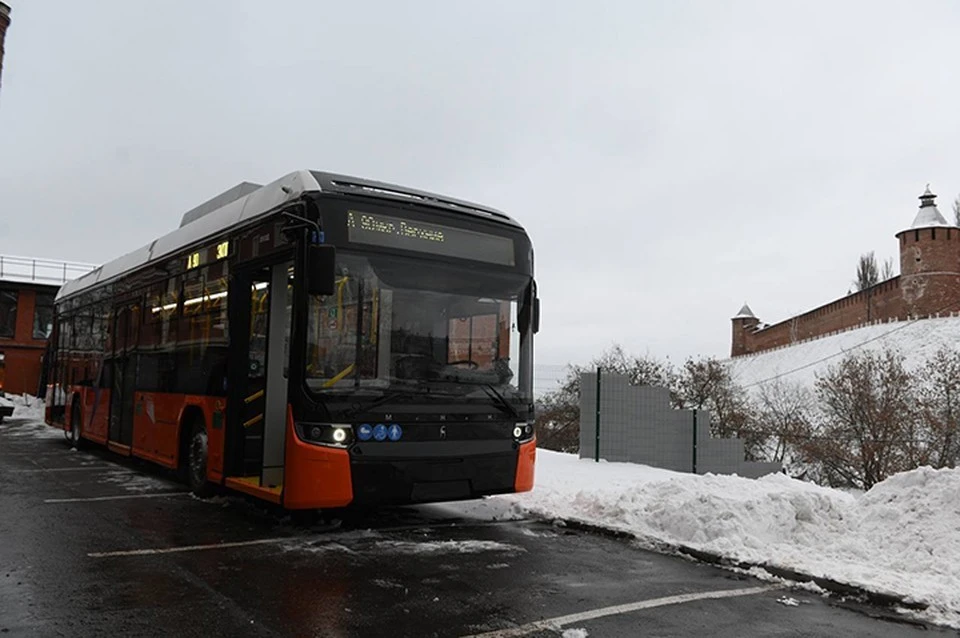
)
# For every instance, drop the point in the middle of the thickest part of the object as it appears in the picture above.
(899, 537)
(445, 547)
(30, 411)
(134, 482)
(800, 363)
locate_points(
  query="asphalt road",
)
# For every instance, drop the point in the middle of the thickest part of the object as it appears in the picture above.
(94, 546)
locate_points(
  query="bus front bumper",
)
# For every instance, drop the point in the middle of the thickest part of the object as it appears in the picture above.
(434, 478)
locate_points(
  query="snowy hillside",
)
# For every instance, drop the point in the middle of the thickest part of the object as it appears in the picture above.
(800, 363)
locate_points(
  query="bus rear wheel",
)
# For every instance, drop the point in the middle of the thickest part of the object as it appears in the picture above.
(76, 417)
(195, 464)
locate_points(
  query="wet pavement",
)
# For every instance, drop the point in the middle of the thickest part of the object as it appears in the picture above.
(92, 545)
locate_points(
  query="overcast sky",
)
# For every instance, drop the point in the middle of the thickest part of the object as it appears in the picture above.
(670, 160)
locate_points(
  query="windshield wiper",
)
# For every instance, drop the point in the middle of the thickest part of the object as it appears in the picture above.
(502, 403)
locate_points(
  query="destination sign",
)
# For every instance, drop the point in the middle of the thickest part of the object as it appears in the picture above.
(408, 234)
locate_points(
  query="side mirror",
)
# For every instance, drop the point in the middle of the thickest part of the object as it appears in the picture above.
(321, 269)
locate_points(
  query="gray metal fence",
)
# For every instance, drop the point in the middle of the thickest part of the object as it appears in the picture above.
(637, 424)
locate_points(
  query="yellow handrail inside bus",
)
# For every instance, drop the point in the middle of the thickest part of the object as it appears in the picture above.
(340, 376)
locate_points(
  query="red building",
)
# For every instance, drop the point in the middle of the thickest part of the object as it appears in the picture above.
(27, 290)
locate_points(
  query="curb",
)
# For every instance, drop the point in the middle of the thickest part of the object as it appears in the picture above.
(880, 599)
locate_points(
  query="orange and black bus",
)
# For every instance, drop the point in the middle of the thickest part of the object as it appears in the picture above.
(318, 341)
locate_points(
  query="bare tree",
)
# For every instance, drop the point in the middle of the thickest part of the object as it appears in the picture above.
(956, 211)
(558, 416)
(558, 412)
(706, 384)
(868, 428)
(784, 418)
(940, 406)
(887, 272)
(868, 274)
(640, 370)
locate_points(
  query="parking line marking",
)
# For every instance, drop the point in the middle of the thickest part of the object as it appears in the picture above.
(85, 468)
(555, 623)
(63, 454)
(191, 548)
(120, 497)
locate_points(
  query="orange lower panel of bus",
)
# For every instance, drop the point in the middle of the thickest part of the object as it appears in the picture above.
(119, 448)
(156, 424)
(251, 485)
(526, 466)
(314, 477)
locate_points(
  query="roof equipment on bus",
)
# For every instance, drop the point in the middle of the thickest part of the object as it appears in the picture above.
(221, 200)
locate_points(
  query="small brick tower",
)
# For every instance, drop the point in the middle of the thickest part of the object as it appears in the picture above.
(743, 324)
(930, 261)
(4, 23)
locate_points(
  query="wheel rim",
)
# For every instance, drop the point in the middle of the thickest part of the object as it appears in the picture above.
(198, 458)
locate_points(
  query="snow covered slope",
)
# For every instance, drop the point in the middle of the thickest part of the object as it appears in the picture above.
(799, 363)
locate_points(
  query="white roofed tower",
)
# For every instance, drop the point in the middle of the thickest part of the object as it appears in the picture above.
(744, 322)
(930, 261)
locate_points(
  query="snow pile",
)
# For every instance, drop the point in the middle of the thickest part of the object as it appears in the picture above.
(898, 538)
(917, 341)
(29, 413)
(28, 407)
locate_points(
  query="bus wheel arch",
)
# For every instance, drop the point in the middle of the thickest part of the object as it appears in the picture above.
(194, 451)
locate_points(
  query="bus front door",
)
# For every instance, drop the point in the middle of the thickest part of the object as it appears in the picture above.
(257, 385)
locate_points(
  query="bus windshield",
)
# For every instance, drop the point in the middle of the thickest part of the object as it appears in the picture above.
(404, 326)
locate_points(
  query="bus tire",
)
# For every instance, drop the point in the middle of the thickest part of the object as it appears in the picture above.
(76, 418)
(194, 461)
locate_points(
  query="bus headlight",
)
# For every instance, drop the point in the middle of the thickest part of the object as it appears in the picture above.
(330, 434)
(523, 431)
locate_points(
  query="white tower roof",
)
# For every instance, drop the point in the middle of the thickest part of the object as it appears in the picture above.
(745, 313)
(928, 216)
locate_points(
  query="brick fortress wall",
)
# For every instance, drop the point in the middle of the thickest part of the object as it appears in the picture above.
(928, 286)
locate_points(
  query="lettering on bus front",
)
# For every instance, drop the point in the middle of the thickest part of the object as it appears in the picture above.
(407, 234)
